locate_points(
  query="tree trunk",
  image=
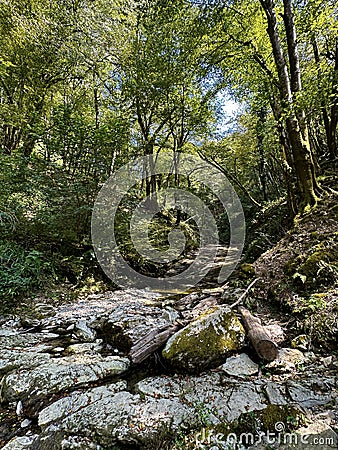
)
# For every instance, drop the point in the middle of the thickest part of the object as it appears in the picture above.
(295, 121)
(11, 139)
(332, 143)
(151, 342)
(261, 114)
(325, 116)
(287, 156)
(261, 341)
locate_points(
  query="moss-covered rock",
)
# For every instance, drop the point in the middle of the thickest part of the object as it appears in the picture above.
(206, 341)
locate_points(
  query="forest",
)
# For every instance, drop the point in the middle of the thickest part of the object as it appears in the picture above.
(168, 219)
(86, 86)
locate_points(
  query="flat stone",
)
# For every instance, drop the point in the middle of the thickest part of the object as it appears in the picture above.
(43, 309)
(86, 347)
(23, 341)
(122, 418)
(19, 359)
(7, 332)
(59, 375)
(77, 401)
(276, 393)
(160, 405)
(58, 349)
(240, 366)
(220, 399)
(25, 423)
(312, 392)
(130, 322)
(288, 359)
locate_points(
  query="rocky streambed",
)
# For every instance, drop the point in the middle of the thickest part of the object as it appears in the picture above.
(67, 381)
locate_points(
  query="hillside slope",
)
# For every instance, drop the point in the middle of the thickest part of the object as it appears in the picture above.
(300, 275)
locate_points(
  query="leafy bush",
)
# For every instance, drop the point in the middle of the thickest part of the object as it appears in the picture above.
(20, 271)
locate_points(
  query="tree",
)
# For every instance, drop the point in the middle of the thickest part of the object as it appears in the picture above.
(162, 80)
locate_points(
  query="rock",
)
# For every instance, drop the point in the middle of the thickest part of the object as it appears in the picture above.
(160, 407)
(276, 333)
(15, 359)
(315, 436)
(240, 366)
(327, 361)
(31, 341)
(49, 334)
(316, 391)
(206, 341)
(25, 423)
(77, 401)
(301, 342)
(121, 418)
(58, 349)
(216, 398)
(58, 375)
(110, 417)
(276, 393)
(28, 322)
(130, 322)
(19, 408)
(7, 332)
(20, 443)
(87, 347)
(170, 314)
(288, 359)
(78, 443)
(43, 309)
(318, 436)
(83, 332)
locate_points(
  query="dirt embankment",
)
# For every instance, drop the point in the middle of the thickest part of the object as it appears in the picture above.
(300, 274)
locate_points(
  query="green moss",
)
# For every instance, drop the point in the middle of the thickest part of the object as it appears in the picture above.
(246, 271)
(290, 416)
(317, 266)
(205, 341)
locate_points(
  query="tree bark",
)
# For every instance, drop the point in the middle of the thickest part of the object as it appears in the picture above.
(261, 114)
(261, 341)
(295, 121)
(332, 143)
(151, 342)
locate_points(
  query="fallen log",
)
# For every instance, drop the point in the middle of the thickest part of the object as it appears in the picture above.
(157, 337)
(152, 342)
(260, 339)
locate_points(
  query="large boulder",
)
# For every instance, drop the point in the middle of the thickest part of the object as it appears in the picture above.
(206, 341)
